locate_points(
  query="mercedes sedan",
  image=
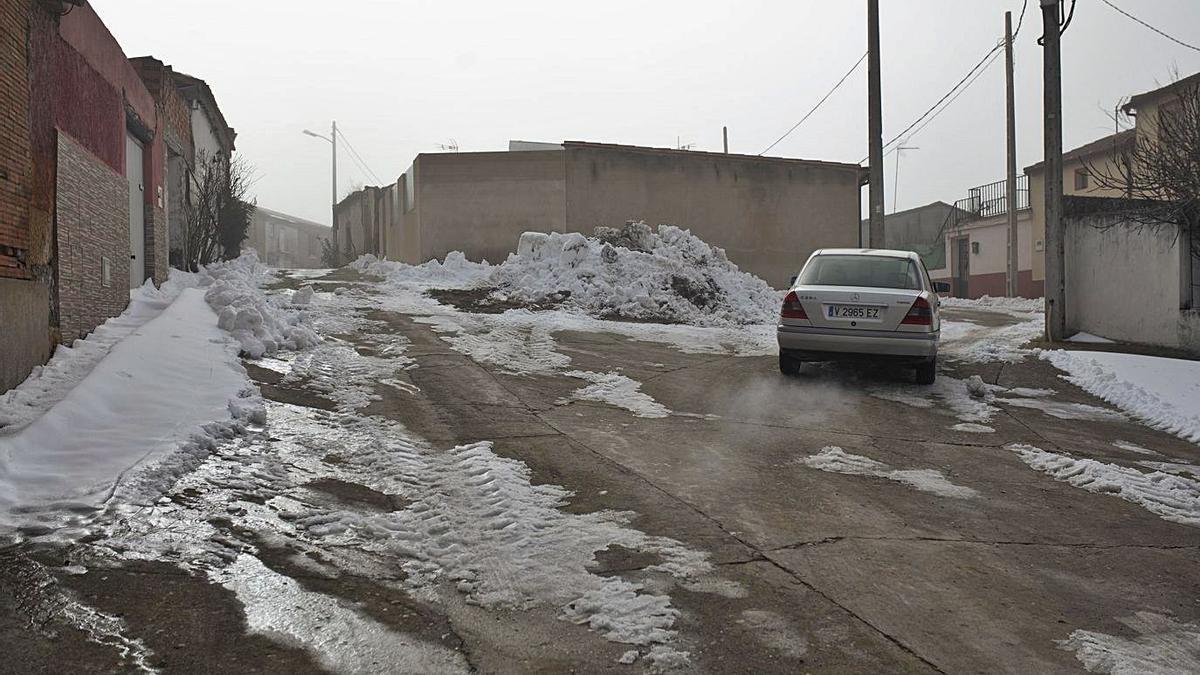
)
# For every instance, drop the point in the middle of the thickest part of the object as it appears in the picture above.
(862, 304)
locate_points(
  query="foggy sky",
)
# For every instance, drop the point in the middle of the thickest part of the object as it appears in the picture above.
(402, 77)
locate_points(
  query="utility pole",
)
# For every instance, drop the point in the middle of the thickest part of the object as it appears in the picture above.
(875, 128)
(725, 138)
(1011, 139)
(333, 135)
(1056, 310)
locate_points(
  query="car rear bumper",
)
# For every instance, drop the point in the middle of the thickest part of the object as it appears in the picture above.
(816, 344)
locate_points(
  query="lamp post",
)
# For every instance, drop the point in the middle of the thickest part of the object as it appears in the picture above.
(332, 139)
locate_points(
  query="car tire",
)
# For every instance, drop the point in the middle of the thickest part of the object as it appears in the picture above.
(788, 365)
(927, 372)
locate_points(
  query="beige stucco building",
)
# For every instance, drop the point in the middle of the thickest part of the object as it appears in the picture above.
(1124, 281)
(768, 213)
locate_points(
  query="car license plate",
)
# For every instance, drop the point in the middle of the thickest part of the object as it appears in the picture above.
(852, 312)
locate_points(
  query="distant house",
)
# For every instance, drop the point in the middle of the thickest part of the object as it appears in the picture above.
(286, 241)
(921, 229)
(1124, 280)
(768, 213)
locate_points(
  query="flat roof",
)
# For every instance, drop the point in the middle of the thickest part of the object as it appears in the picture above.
(705, 153)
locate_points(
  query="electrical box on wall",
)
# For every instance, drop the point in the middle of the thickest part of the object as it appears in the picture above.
(975, 247)
(1038, 245)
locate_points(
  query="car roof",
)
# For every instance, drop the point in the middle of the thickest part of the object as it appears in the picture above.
(877, 252)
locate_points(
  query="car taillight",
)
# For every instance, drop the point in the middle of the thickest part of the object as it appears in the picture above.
(921, 314)
(792, 309)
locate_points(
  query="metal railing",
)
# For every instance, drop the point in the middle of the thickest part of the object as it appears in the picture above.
(990, 200)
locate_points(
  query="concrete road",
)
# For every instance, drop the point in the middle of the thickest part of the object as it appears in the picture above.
(942, 550)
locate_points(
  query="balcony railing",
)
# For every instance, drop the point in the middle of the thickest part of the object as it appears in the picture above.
(990, 200)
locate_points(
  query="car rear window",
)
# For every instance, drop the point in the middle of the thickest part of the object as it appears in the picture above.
(861, 270)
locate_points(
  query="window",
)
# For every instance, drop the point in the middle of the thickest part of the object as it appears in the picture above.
(861, 270)
(1081, 179)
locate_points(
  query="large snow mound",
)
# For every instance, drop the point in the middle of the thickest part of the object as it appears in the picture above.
(262, 324)
(666, 275)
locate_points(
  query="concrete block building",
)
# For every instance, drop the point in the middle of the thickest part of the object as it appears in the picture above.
(768, 213)
(286, 241)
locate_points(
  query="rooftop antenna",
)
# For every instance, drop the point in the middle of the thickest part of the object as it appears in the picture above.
(452, 146)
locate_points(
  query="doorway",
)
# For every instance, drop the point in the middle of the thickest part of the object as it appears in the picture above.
(960, 266)
(137, 211)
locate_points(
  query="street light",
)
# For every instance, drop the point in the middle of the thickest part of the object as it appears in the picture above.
(332, 139)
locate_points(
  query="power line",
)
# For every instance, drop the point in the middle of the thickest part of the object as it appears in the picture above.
(362, 162)
(1172, 39)
(818, 105)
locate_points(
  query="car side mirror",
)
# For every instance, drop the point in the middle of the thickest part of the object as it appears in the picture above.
(792, 281)
(941, 287)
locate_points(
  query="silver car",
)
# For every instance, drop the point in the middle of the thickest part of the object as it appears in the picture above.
(862, 304)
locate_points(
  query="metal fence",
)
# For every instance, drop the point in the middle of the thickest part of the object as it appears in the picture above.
(990, 200)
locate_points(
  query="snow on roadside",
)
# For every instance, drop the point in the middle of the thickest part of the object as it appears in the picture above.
(982, 344)
(1173, 498)
(836, 460)
(1163, 393)
(454, 271)
(1018, 305)
(262, 324)
(146, 412)
(618, 391)
(70, 364)
(1162, 645)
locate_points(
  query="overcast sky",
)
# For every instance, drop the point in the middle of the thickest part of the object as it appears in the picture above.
(401, 77)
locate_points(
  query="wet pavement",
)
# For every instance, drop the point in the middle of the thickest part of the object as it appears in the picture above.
(432, 494)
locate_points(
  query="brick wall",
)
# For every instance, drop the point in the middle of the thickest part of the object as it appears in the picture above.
(156, 244)
(93, 223)
(14, 140)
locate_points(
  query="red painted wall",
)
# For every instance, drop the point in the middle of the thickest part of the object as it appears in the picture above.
(81, 80)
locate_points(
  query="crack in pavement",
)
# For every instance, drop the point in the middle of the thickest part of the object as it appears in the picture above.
(985, 542)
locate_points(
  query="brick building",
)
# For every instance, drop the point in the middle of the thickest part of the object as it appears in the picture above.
(164, 85)
(25, 274)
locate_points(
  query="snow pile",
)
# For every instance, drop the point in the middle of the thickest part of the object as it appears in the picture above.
(453, 272)
(48, 384)
(1172, 498)
(1164, 393)
(1162, 645)
(667, 275)
(263, 325)
(836, 460)
(988, 302)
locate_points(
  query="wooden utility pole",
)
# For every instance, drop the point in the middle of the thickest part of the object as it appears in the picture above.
(1011, 139)
(875, 129)
(1056, 310)
(725, 138)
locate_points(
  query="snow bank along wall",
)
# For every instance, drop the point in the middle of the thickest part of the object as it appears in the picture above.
(768, 213)
(1127, 282)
